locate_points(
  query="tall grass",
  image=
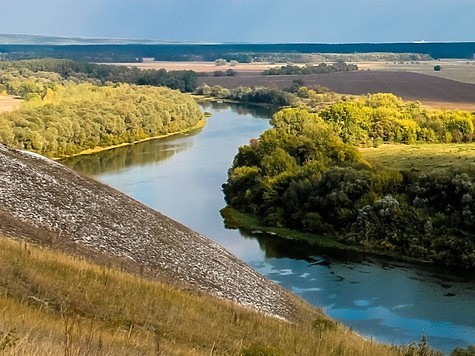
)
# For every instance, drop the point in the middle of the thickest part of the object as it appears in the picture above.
(55, 304)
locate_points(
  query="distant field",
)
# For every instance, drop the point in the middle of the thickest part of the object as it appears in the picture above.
(9, 103)
(207, 67)
(462, 71)
(422, 156)
(430, 90)
(459, 70)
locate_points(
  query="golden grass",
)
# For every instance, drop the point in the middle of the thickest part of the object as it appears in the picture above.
(54, 304)
(426, 157)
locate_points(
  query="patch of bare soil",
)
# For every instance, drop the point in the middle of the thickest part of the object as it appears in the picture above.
(9, 103)
(45, 202)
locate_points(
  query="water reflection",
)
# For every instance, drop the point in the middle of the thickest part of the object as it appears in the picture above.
(239, 109)
(137, 154)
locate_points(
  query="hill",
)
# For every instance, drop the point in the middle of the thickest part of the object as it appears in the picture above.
(60, 208)
(55, 303)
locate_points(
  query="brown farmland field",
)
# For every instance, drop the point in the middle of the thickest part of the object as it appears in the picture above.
(459, 70)
(429, 90)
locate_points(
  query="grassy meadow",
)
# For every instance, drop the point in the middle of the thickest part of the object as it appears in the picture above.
(53, 304)
(423, 157)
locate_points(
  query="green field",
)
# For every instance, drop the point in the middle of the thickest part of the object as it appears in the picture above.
(422, 156)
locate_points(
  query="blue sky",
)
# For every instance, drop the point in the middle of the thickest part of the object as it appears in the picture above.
(332, 21)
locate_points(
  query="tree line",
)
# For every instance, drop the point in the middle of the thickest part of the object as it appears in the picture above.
(183, 80)
(290, 69)
(305, 173)
(254, 95)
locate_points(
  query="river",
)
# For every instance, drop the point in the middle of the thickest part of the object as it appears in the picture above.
(181, 176)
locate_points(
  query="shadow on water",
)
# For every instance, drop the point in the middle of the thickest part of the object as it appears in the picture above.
(131, 155)
(275, 248)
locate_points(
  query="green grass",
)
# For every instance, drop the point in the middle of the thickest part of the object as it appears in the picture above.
(53, 304)
(422, 156)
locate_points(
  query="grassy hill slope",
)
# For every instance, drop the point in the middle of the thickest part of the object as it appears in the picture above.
(54, 304)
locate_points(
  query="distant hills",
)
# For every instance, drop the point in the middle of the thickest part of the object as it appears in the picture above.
(59, 40)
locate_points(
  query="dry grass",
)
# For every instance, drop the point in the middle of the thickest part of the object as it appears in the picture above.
(425, 157)
(9, 103)
(459, 70)
(54, 304)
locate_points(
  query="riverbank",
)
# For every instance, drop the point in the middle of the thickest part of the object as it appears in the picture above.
(235, 219)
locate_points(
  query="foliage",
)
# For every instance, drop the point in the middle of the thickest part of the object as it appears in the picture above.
(378, 118)
(59, 120)
(185, 80)
(459, 351)
(245, 53)
(305, 173)
(258, 95)
(289, 69)
(220, 62)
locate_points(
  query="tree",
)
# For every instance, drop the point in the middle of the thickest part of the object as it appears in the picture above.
(220, 62)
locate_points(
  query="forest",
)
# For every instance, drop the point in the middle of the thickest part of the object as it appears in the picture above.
(242, 52)
(307, 173)
(66, 112)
